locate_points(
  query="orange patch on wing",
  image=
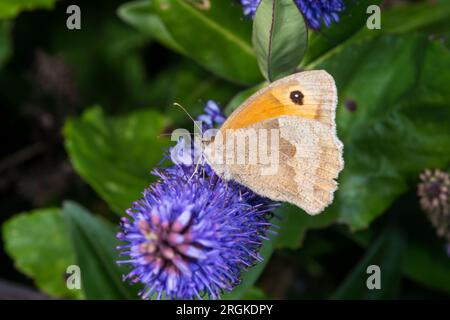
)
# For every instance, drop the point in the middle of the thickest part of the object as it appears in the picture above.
(273, 104)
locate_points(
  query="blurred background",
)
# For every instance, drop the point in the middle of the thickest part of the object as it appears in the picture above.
(82, 113)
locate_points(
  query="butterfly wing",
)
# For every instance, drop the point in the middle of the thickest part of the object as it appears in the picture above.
(299, 113)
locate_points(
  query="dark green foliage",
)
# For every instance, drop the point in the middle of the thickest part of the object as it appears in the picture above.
(136, 59)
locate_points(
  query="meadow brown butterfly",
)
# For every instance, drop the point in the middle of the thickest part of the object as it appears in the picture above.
(293, 120)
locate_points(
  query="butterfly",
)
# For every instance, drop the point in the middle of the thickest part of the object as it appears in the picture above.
(294, 118)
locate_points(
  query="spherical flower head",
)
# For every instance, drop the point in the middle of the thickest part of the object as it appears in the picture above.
(192, 233)
(318, 11)
(434, 194)
(314, 11)
(434, 191)
(250, 7)
(190, 236)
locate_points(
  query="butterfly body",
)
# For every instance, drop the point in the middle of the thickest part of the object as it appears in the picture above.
(282, 143)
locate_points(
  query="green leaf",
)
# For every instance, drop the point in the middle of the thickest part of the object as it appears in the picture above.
(351, 21)
(40, 247)
(400, 126)
(279, 37)
(296, 222)
(387, 253)
(141, 15)
(5, 42)
(95, 244)
(255, 293)
(115, 155)
(427, 264)
(11, 8)
(215, 36)
(191, 86)
(427, 18)
(109, 60)
(424, 259)
(421, 17)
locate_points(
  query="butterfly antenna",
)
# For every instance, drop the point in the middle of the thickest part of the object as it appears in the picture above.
(185, 111)
(195, 171)
(169, 134)
(204, 171)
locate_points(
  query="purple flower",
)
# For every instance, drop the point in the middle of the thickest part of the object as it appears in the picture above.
(250, 6)
(213, 116)
(318, 11)
(434, 195)
(187, 151)
(314, 11)
(192, 233)
(434, 191)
